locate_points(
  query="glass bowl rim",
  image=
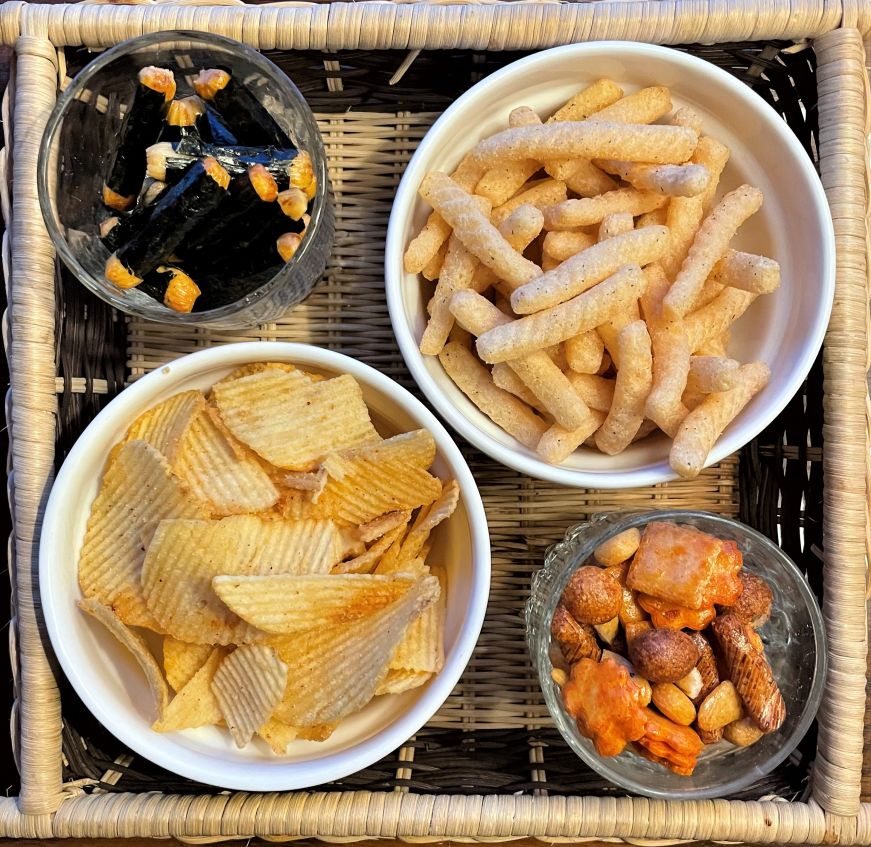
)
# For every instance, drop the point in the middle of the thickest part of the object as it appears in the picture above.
(268, 69)
(612, 523)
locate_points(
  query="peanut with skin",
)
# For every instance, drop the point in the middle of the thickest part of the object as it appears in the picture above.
(721, 707)
(673, 703)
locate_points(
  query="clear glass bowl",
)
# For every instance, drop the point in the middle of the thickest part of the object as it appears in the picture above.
(795, 644)
(74, 157)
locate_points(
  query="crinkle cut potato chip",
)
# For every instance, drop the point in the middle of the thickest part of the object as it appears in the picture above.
(369, 481)
(334, 672)
(292, 421)
(164, 426)
(185, 555)
(422, 646)
(248, 685)
(135, 643)
(368, 561)
(277, 735)
(398, 681)
(429, 519)
(137, 491)
(231, 480)
(285, 603)
(181, 660)
(256, 368)
(195, 704)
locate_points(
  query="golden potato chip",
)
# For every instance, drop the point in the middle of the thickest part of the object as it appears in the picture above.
(313, 481)
(256, 368)
(428, 519)
(248, 685)
(366, 482)
(285, 603)
(230, 483)
(399, 680)
(334, 672)
(366, 562)
(422, 646)
(137, 491)
(195, 704)
(394, 565)
(382, 525)
(293, 421)
(318, 732)
(163, 426)
(294, 505)
(135, 643)
(184, 555)
(181, 660)
(278, 735)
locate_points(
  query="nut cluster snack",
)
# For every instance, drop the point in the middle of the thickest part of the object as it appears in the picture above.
(692, 673)
(585, 284)
(275, 546)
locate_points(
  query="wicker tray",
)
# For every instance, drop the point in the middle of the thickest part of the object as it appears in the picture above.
(490, 765)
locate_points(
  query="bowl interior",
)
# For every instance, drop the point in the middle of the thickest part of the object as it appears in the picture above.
(107, 677)
(80, 138)
(784, 329)
(794, 645)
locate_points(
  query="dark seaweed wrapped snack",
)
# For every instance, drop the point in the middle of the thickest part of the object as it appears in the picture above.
(140, 128)
(178, 212)
(120, 228)
(243, 112)
(215, 130)
(171, 286)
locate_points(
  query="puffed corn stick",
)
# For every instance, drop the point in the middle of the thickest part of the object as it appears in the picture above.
(632, 386)
(564, 244)
(709, 374)
(686, 116)
(617, 223)
(506, 379)
(554, 325)
(519, 229)
(541, 194)
(596, 391)
(589, 267)
(703, 425)
(501, 183)
(593, 98)
(747, 271)
(675, 180)
(504, 409)
(708, 247)
(557, 444)
(472, 227)
(584, 352)
(570, 214)
(642, 107)
(714, 319)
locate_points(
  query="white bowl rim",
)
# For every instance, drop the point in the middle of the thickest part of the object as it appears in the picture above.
(726, 445)
(245, 775)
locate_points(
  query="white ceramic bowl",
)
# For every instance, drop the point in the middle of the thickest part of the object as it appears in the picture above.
(794, 227)
(106, 676)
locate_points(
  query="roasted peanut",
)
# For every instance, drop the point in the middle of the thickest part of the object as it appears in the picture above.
(559, 676)
(743, 732)
(721, 707)
(691, 684)
(673, 703)
(592, 596)
(630, 611)
(618, 548)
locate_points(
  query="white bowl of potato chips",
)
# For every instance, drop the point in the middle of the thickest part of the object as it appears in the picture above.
(610, 265)
(264, 566)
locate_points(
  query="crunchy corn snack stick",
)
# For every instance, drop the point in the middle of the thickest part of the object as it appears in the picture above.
(609, 330)
(540, 193)
(472, 227)
(617, 223)
(675, 180)
(501, 183)
(596, 391)
(708, 247)
(709, 374)
(758, 274)
(584, 352)
(642, 107)
(703, 425)
(519, 229)
(564, 244)
(473, 379)
(506, 379)
(570, 214)
(630, 390)
(589, 267)
(587, 101)
(554, 325)
(713, 320)
(557, 444)
(685, 116)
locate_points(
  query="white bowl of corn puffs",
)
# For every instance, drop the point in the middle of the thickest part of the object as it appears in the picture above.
(610, 265)
(264, 566)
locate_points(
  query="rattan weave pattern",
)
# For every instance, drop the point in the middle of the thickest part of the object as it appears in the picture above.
(418, 813)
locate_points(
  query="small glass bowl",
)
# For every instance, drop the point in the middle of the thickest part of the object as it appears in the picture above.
(795, 645)
(73, 158)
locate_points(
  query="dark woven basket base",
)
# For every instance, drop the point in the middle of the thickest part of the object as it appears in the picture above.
(781, 471)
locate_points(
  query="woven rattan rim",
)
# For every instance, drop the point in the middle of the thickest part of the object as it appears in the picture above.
(842, 82)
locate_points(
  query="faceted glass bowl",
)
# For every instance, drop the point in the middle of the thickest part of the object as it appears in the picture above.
(795, 645)
(77, 144)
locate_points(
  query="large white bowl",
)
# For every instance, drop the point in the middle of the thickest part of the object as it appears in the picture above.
(109, 681)
(794, 227)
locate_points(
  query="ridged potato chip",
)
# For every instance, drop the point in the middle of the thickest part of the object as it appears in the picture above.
(422, 646)
(136, 493)
(368, 561)
(248, 685)
(369, 481)
(380, 526)
(334, 672)
(256, 368)
(428, 519)
(135, 643)
(285, 603)
(164, 426)
(195, 704)
(181, 660)
(278, 735)
(184, 555)
(293, 421)
(398, 681)
(231, 480)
